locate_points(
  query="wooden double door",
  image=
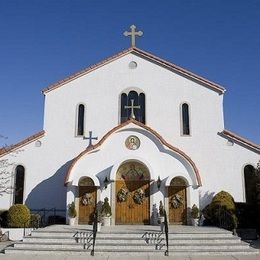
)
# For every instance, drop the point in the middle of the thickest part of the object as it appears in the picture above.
(129, 211)
(87, 201)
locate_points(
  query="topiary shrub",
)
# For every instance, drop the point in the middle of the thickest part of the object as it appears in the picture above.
(194, 212)
(18, 216)
(72, 210)
(106, 209)
(161, 209)
(221, 211)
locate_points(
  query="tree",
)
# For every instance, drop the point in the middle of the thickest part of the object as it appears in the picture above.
(5, 165)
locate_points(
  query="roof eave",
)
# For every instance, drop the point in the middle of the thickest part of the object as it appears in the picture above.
(135, 50)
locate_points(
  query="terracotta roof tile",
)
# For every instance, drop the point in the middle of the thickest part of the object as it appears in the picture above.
(147, 55)
(148, 129)
(8, 149)
(239, 139)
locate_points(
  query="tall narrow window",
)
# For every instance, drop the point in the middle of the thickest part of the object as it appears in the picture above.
(19, 185)
(133, 106)
(250, 184)
(185, 119)
(81, 114)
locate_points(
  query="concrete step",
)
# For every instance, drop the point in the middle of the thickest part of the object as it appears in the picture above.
(171, 235)
(131, 242)
(43, 233)
(50, 239)
(52, 246)
(119, 252)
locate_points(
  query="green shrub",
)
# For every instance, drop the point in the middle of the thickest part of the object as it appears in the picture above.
(35, 220)
(72, 210)
(161, 209)
(106, 209)
(194, 211)
(18, 216)
(221, 211)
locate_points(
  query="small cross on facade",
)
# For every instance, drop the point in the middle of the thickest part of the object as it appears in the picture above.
(90, 138)
(133, 34)
(132, 115)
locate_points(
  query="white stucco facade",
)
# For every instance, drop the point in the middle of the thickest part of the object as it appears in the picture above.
(204, 159)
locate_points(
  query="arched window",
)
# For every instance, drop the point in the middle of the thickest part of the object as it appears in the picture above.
(185, 119)
(250, 184)
(19, 184)
(133, 106)
(80, 123)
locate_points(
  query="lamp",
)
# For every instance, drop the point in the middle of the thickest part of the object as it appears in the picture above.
(106, 181)
(159, 182)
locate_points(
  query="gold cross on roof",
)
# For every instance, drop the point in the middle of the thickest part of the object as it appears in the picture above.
(133, 34)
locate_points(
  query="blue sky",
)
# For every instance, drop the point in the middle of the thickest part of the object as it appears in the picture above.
(44, 41)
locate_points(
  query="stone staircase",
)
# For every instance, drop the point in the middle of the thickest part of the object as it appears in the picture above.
(133, 240)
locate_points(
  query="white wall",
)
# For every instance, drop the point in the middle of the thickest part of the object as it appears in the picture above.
(220, 165)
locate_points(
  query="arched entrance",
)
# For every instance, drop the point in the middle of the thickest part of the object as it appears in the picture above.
(132, 194)
(177, 196)
(87, 200)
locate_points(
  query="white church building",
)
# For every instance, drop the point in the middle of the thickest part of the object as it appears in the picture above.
(136, 129)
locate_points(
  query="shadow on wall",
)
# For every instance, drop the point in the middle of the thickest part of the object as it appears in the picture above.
(50, 193)
(205, 199)
(103, 175)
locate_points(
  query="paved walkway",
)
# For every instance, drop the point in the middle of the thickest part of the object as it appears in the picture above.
(188, 229)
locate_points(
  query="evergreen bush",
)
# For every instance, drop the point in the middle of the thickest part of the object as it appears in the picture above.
(106, 209)
(72, 213)
(161, 209)
(19, 216)
(194, 212)
(221, 211)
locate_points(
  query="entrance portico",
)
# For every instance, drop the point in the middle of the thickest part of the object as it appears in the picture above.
(129, 160)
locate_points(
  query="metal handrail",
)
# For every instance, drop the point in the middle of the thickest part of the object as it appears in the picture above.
(94, 231)
(166, 228)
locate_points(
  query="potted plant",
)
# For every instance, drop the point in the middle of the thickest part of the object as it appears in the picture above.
(161, 215)
(72, 213)
(194, 215)
(106, 212)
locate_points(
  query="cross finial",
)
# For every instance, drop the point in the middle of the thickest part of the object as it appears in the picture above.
(90, 138)
(133, 34)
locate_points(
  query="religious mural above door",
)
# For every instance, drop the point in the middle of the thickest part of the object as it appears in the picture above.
(133, 171)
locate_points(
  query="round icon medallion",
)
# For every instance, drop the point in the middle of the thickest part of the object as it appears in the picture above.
(132, 142)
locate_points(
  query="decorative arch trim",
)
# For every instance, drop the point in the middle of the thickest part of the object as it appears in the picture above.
(103, 139)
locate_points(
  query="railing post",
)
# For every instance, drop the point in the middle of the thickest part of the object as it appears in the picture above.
(94, 231)
(166, 253)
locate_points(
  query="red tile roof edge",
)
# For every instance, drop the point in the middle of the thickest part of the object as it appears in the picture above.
(93, 147)
(240, 139)
(169, 65)
(10, 148)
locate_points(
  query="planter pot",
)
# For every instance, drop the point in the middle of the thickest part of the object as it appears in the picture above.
(106, 221)
(195, 222)
(161, 219)
(72, 221)
(99, 226)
